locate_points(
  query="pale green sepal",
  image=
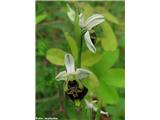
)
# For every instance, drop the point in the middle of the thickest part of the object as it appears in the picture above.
(82, 73)
(61, 76)
(71, 13)
(94, 17)
(89, 43)
(94, 23)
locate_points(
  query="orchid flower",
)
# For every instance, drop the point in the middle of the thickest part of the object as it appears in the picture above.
(73, 87)
(90, 105)
(86, 26)
(71, 73)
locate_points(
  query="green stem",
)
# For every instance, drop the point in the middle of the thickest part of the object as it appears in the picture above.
(79, 113)
(92, 114)
(80, 51)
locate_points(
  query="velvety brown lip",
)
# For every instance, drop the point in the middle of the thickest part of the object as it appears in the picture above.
(74, 91)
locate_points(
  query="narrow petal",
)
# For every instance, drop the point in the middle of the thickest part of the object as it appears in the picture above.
(94, 17)
(71, 13)
(81, 21)
(89, 43)
(69, 63)
(89, 105)
(62, 76)
(94, 23)
(104, 113)
(82, 73)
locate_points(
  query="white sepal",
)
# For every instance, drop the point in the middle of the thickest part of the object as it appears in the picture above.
(71, 13)
(82, 73)
(89, 43)
(81, 21)
(94, 23)
(61, 76)
(94, 17)
(69, 63)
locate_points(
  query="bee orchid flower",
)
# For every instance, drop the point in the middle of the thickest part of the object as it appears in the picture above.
(73, 87)
(71, 73)
(91, 105)
(86, 26)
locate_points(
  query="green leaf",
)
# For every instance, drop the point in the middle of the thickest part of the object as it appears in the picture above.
(89, 58)
(91, 82)
(55, 56)
(114, 77)
(88, 11)
(111, 18)
(107, 61)
(107, 93)
(107, 15)
(118, 111)
(40, 18)
(72, 44)
(109, 40)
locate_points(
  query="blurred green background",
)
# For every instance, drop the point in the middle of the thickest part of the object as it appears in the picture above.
(106, 85)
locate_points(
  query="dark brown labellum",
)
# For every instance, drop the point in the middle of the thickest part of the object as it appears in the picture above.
(93, 37)
(74, 91)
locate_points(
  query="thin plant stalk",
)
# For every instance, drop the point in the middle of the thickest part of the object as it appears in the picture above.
(80, 51)
(80, 42)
